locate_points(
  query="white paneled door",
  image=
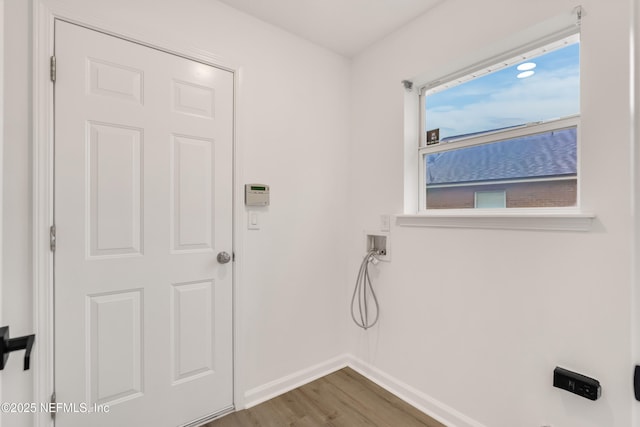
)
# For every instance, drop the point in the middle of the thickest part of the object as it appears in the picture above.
(143, 206)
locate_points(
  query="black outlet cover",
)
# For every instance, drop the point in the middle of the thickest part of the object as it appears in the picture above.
(576, 383)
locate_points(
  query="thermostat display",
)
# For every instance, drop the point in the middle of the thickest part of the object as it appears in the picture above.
(256, 195)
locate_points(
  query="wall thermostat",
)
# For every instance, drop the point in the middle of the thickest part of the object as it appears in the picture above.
(256, 195)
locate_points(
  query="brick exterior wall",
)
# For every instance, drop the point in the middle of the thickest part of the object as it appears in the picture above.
(519, 195)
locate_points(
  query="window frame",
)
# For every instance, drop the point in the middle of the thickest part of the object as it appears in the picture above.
(506, 59)
(571, 219)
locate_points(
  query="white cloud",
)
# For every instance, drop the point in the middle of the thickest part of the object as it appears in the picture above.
(546, 96)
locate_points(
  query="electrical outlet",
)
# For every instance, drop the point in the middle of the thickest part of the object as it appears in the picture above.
(385, 222)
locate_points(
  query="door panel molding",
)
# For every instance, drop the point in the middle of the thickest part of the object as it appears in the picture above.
(44, 18)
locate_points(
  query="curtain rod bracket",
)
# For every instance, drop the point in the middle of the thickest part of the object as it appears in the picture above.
(579, 12)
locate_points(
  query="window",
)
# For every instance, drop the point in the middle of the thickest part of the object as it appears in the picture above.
(491, 199)
(504, 135)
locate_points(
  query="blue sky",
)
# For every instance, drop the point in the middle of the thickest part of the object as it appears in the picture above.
(500, 99)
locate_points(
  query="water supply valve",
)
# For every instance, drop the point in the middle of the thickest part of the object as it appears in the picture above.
(379, 242)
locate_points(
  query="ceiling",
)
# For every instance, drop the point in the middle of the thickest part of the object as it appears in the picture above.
(343, 26)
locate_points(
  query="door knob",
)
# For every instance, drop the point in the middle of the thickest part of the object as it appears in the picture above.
(7, 345)
(223, 257)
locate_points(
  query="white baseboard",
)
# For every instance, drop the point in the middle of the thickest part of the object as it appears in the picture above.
(421, 401)
(282, 385)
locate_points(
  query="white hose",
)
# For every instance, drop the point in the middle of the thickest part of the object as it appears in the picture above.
(362, 288)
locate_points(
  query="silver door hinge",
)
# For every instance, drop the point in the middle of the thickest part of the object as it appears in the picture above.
(52, 405)
(53, 69)
(52, 238)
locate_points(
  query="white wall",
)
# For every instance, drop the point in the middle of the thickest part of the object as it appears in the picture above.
(635, 329)
(292, 134)
(16, 207)
(635, 322)
(478, 319)
(1, 151)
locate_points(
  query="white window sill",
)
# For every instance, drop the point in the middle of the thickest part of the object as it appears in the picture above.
(528, 219)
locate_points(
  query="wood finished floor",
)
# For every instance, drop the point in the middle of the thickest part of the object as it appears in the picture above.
(341, 399)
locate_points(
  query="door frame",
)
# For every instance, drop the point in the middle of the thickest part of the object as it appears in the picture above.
(44, 18)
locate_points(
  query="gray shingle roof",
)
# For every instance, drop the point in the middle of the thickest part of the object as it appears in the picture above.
(544, 155)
